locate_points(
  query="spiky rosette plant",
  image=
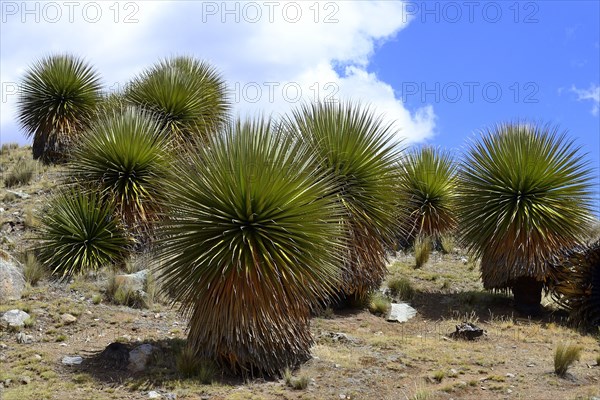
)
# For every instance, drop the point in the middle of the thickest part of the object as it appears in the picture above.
(357, 149)
(125, 157)
(59, 96)
(427, 193)
(524, 195)
(79, 233)
(250, 243)
(188, 97)
(575, 283)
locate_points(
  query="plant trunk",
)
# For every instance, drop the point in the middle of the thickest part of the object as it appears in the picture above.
(528, 295)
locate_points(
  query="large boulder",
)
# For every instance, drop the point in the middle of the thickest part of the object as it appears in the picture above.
(139, 357)
(12, 282)
(13, 319)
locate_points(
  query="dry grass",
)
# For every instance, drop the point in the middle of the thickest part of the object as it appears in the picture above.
(401, 288)
(33, 270)
(21, 173)
(379, 304)
(564, 356)
(422, 248)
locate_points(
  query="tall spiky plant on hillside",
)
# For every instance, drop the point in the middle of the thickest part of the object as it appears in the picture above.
(59, 96)
(524, 195)
(427, 193)
(125, 156)
(79, 233)
(187, 96)
(357, 149)
(250, 243)
(575, 283)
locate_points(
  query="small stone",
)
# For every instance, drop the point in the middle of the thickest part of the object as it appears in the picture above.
(337, 366)
(20, 195)
(72, 360)
(25, 380)
(156, 316)
(68, 318)
(7, 382)
(342, 396)
(531, 365)
(22, 338)
(509, 375)
(154, 395)
(37, 357)
(508, 391)
(3, 346)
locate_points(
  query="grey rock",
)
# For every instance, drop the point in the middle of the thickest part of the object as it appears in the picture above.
(136, 281)
(12, 282)
(340, 337)
(25, 380)
(72, 360)
(139, 356)
(14, 319)
(22, 338)
(509, 375)
(401, 312)
(20, 195)
(153, 394)
(68, 318)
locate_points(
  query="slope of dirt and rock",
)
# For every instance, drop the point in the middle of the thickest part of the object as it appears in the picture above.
(67, 339)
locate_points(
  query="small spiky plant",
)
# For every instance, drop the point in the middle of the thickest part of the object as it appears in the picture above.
(575, 283)
(524, 195)
(125, 157)
(357, 149)
(186, 95)
(428, 192)
(79, 233)
(59, 96)
(249, 245)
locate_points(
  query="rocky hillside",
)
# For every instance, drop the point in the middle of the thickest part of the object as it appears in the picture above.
(113, 336)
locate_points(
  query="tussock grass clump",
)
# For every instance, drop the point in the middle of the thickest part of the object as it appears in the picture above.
(33, 270)
(439, 376)
(190, 366)
(422, 251)
(379, 304)
(564, 357)
(447, 243)
(21, 174)
(123, 294)
(401, 288)
(299, 383)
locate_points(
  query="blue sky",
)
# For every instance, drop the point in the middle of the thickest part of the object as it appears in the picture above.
(440, 69)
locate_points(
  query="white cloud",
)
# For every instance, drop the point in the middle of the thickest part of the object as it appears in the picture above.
(592, 93)
(274, 54)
